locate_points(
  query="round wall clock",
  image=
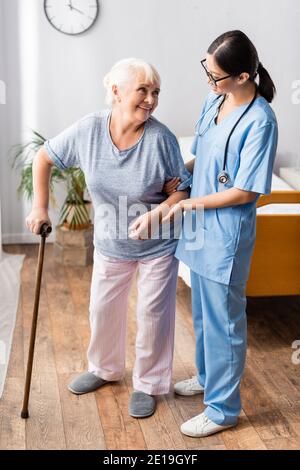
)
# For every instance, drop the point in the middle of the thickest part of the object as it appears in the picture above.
(71, 17)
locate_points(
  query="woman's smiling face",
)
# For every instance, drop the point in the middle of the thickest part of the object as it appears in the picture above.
(138, 98)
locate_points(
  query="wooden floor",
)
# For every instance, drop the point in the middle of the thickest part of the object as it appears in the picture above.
(59, 420)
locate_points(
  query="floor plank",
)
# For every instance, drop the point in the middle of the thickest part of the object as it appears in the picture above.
(59, 420)
(12, 427)
(69, 325)
(83, 429)
(44, 428)
(121, 431)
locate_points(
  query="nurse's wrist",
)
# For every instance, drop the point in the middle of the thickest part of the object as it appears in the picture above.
(193, 204)
(185, 204)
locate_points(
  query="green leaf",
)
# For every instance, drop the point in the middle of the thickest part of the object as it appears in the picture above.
(22, 156)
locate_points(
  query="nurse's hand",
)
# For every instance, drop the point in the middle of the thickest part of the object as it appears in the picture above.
(174, 212)
(170, 186)
(145, 226)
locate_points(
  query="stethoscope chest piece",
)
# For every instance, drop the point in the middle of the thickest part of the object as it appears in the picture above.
(223, 177)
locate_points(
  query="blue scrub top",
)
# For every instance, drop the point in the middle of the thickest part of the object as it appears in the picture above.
(229, 233)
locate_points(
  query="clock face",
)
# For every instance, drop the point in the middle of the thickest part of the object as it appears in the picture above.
(71, 17)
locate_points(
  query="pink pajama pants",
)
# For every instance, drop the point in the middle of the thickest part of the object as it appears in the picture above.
(156, 284)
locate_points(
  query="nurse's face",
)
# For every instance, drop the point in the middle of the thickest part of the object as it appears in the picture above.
(223, 86)
(137, 99)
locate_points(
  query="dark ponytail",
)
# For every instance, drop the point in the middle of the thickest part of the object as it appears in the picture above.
(235, 54)
(266, 87)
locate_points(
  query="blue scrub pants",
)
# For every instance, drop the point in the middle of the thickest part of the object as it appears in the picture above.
(219, 316)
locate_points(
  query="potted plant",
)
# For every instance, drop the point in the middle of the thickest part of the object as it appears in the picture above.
(75, 211)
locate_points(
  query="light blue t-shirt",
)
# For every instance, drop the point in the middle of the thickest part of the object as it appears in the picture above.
(229, 232)
(122, 184)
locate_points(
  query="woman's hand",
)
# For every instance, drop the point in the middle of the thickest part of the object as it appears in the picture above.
(170, 186)
(36, 219)
(144, 226)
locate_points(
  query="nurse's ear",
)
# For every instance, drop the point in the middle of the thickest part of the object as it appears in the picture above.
(243, 77)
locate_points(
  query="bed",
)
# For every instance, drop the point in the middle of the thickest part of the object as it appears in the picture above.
(275, 267)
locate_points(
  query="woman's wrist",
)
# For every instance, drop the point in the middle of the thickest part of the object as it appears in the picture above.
(40, 209)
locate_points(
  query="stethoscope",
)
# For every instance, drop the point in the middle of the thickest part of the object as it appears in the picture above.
(223, 176)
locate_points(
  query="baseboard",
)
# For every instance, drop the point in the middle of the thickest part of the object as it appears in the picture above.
(23, 238)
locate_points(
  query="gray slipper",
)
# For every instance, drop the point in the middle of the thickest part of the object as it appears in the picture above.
(85, 383)
(141, 405)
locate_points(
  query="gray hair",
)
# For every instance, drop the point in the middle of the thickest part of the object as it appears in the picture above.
(123, 71)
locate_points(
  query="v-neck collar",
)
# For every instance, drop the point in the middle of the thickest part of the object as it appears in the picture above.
(232, 113)
(116, 150)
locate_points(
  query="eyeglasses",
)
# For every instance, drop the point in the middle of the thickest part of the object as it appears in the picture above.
(211, 78)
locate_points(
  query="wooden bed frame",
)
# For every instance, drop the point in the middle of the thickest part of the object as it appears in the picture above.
(275, 267)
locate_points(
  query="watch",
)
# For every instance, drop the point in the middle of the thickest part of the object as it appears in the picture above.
(71, 16)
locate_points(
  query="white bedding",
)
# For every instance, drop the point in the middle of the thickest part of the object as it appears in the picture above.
(277, 185)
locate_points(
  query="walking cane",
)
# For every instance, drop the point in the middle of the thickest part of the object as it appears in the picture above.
(45, 230)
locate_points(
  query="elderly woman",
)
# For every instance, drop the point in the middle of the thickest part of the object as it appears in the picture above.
(126, 156)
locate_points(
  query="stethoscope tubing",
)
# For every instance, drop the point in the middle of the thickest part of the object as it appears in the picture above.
(223, 177)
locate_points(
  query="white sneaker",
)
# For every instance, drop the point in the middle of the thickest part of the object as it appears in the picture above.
(201, 426)
(188, 387)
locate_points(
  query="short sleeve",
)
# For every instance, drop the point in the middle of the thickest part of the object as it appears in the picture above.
(63, 149)
(257, 159)
(175, 166)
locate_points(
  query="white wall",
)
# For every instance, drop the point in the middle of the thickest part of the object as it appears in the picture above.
(54, 79)
(12, 209)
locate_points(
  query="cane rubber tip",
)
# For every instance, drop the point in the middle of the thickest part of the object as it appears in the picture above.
(24, 415)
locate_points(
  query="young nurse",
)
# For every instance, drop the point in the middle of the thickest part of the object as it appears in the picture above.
(234, 148)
